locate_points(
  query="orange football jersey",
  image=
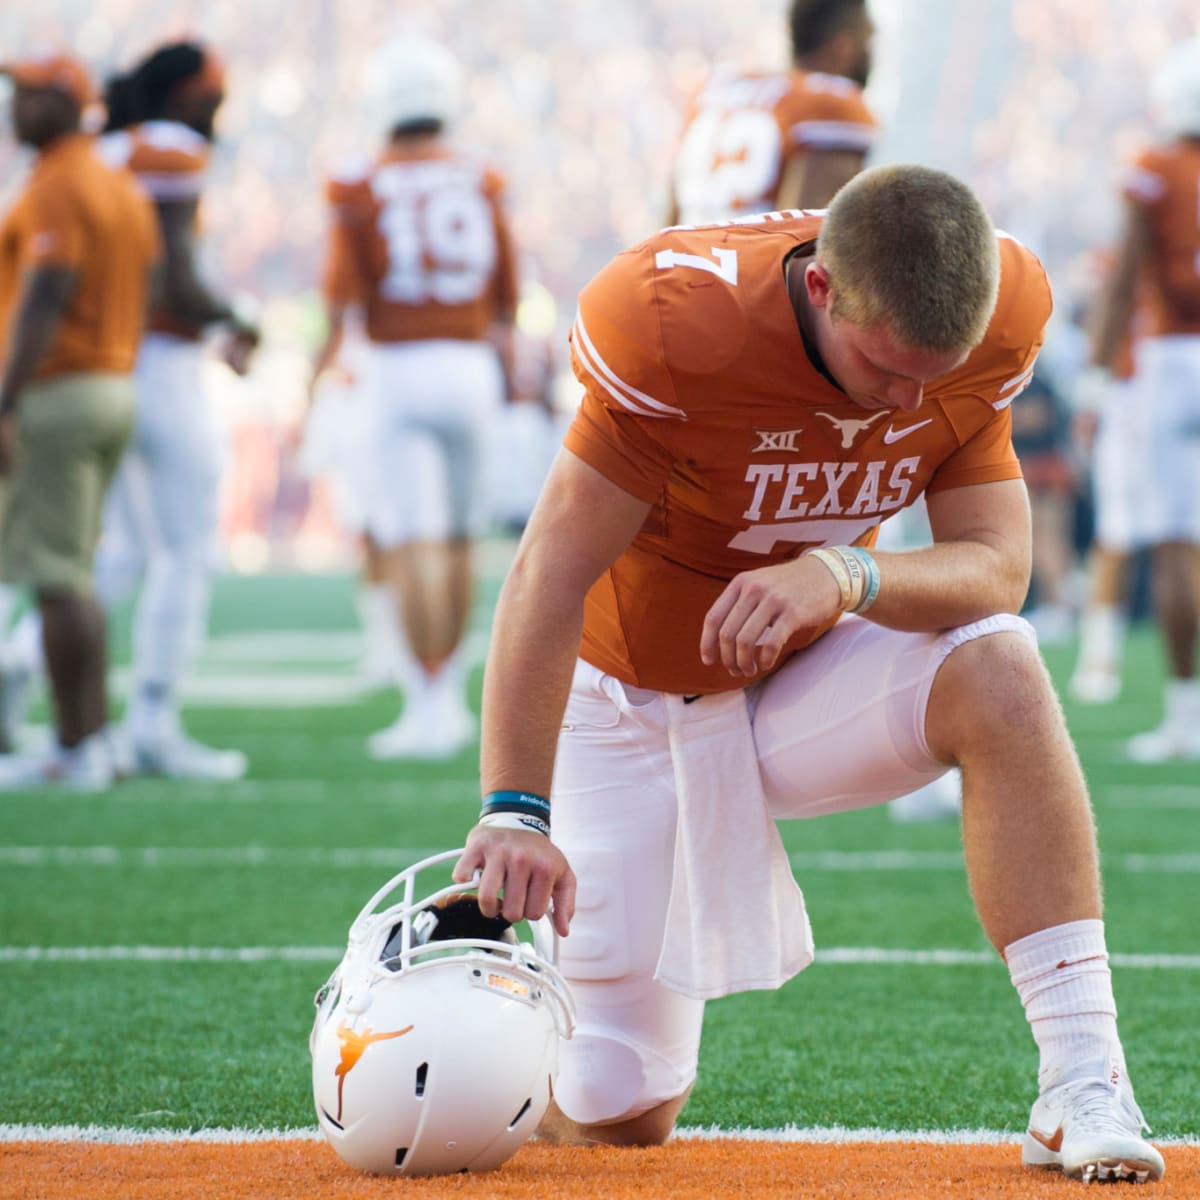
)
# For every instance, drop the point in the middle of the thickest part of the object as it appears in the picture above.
(171, 162)
(1165, 182)
(422, 243)
(701, 399)
(741, 129)
(79, 213)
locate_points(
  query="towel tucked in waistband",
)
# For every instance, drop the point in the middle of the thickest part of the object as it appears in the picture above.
(736, 919)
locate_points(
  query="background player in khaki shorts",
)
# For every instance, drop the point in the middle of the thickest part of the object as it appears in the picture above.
(76, 251)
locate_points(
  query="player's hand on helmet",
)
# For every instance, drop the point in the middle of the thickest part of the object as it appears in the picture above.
(753, 618)
(522, 873)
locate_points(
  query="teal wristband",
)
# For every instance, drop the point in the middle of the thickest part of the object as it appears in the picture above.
(516, 802)
(871, 588)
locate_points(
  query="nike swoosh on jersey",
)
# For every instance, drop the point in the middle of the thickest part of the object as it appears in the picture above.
(894, 435)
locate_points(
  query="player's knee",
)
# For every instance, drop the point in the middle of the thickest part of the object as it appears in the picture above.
(617, 1092)
(993, 683)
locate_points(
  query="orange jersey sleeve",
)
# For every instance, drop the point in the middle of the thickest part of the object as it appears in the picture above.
(702, 399)
(826, 112)
(349, 268)
(1165, 183)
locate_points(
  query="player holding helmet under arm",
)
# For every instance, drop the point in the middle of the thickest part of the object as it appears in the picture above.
(419, 241)
(758, 141)
(1159, 259)
(695, 641)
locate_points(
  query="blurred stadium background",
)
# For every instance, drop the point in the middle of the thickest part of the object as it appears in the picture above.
(1034, 102)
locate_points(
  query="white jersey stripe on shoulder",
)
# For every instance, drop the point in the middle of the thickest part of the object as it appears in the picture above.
(625, 393)
(824, 135)
(172, 185)
(1143, 183)
(1017, 382)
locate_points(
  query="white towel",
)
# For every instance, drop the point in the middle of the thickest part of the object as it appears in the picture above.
(736, 919)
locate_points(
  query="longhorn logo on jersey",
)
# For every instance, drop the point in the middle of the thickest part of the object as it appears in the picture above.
(850, 429)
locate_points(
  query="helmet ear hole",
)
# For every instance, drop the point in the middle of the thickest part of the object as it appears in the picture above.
(523, 1110)
(400, 1153)
(422, 1072)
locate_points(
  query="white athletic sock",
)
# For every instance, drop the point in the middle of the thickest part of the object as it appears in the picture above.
(1181, 701)
(1101, 638)
(1062, 977)
(384, 639)
(25, 643)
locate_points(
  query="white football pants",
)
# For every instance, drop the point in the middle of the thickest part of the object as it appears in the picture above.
(840, 726)
(160, 521)
(1168, 370)
(430, 411)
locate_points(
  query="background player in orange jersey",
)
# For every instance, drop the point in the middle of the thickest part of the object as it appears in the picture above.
(1159, 260)
(695, 641)
(757, 141)
(76, 250)
(420, 244)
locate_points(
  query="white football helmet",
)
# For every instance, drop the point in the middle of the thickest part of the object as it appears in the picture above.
(436, 1038)
(411, 79)
(1175, 91)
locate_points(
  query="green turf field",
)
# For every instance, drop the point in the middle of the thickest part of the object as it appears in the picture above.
(285, 859)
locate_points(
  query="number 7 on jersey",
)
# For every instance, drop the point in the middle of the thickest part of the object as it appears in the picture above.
(725, 267)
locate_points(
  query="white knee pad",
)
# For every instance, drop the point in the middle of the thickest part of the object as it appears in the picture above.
(603, 1077)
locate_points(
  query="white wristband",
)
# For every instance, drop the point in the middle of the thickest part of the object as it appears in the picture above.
(516, 821)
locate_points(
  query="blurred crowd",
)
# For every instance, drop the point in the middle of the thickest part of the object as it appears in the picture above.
(580, 102)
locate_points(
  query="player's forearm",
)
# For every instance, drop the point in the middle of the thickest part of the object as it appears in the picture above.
(534, 645)
(952, 583)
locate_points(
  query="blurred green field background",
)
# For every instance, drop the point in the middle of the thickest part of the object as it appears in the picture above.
(285, 858)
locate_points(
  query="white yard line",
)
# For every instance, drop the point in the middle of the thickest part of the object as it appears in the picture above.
(353, 857)
(1163, 795)
(835, 956)
(819, 1135)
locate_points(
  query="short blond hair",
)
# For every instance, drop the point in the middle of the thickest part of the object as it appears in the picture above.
(912, 249)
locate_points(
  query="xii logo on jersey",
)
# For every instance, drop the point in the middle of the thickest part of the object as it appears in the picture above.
(777, 439)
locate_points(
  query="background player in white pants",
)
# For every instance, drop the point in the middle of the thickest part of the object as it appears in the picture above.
(1159, 259)
(161, 523)
(419, 242)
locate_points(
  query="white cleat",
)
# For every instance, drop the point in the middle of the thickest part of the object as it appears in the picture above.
(84, 768)
(1164, 745)
(1087, 1124)
(416, 736)
(178, 756)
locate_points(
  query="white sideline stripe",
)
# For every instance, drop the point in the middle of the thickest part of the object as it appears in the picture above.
(1168, 795)
(284, 791)
(352, 857)
(835, 956)
(818, 1135)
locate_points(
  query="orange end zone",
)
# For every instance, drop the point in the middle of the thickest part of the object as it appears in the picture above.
(687, 1170)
